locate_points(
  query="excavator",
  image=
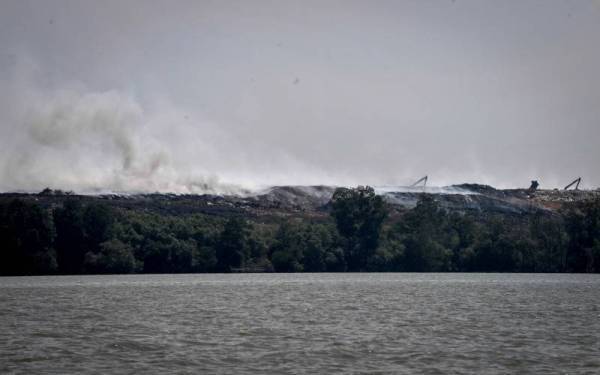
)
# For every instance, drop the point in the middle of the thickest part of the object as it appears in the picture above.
(533, 187)
(575, 182)
(423, 180)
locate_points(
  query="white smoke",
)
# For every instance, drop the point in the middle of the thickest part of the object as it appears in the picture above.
(75, 139)
(111, 141)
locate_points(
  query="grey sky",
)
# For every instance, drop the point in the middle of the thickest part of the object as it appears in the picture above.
(180, 95)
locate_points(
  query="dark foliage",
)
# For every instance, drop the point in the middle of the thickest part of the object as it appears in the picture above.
(74, 236)
(359, 214)
(27, 235)
(583, 229)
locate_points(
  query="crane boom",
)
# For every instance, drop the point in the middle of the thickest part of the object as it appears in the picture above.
(423, 180)
(576, 181)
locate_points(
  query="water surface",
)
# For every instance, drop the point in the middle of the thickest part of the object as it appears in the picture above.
(301, 323)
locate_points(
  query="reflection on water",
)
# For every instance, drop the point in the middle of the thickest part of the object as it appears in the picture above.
(301, 323)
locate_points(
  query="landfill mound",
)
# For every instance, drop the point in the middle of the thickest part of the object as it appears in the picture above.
(315, 200)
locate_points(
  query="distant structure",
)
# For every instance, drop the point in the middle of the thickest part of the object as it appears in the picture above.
(575, 182)
(534, 186)
(423, 180)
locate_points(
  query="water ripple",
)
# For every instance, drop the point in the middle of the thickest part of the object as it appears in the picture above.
(303, 323)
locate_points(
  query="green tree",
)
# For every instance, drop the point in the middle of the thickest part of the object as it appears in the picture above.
(232, 246)
(359, 214)
(97, 220)
(287, 251)
(317, 241)
(27, 234)
(582, 222)
(70, 237)
(114, 257)
(427, 237)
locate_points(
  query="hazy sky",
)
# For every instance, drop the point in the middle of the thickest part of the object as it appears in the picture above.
(188, 95)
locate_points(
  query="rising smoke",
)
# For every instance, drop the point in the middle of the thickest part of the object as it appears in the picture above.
(226, 96)
(99, 142)
(73, 139)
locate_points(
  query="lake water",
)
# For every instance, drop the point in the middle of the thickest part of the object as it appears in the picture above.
(301, 323)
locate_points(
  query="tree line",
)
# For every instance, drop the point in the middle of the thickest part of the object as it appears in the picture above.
(362, 233)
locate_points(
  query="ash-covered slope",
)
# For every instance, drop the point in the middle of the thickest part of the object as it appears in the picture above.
(465, 197)
(314, 200)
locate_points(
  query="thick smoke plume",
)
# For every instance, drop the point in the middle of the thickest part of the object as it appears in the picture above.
(89, 142)
(98, 142)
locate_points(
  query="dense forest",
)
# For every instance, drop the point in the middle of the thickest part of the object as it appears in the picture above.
(359, 233)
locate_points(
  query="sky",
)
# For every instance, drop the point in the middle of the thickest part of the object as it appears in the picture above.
(214, 96)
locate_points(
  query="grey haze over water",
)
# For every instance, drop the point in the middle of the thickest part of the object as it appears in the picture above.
(194, 96)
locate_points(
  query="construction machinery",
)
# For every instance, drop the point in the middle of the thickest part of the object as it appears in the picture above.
(575, 182)
(534, 186)
(423, 180)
